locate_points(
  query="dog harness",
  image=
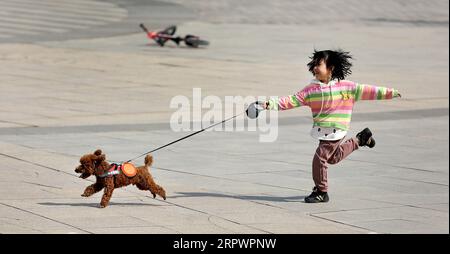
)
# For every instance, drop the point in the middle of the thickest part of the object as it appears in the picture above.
(126, 168)
(115, 169)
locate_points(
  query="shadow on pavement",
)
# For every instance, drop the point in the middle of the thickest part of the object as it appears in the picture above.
(244, 197)
(94, 204)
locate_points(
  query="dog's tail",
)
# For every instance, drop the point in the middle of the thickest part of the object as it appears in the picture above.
(148, 160)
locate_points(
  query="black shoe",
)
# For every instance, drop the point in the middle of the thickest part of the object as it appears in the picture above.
(317, 196)
(365, 138)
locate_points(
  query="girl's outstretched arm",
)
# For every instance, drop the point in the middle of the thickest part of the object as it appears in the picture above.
(369, 92)
(287, 102)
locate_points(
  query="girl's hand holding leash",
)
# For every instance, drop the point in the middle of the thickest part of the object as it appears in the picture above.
(264, 104)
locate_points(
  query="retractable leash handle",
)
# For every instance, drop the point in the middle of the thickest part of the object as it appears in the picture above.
(254, 109)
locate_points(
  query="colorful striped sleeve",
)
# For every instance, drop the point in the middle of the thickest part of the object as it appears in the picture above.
(369, 92)
(288, 102)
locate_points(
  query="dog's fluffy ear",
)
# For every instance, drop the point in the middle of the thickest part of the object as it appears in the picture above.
(98, 152)
(100, 158)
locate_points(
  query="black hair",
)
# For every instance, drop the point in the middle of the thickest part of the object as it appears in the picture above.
(337, 60)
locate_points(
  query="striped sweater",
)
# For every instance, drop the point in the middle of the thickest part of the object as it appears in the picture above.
(332, 104)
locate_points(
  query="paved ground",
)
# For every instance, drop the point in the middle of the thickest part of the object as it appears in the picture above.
(87, 78)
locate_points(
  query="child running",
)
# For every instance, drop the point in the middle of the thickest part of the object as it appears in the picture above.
(331, 99)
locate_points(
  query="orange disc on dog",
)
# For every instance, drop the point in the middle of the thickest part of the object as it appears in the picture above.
(129, 170)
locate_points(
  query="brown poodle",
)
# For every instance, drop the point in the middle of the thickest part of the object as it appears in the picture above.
(96, 164)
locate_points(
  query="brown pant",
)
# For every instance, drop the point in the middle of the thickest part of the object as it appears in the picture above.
(330, 152)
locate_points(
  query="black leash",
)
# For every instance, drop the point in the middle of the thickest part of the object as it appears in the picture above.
(190, 135)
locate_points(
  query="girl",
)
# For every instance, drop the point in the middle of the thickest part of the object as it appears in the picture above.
(331, 99)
